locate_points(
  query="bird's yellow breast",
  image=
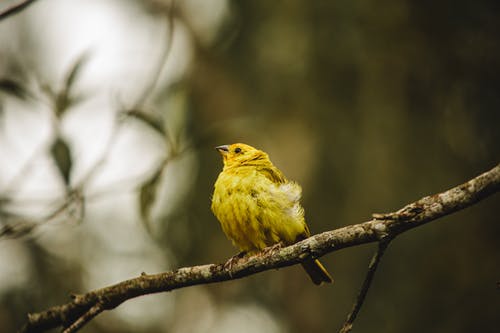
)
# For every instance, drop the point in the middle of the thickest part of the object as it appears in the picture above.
(256, 212)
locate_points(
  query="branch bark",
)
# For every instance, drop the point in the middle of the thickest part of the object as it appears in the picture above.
(381, 227)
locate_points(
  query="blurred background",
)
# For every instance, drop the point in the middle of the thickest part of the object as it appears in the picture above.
(109, 112)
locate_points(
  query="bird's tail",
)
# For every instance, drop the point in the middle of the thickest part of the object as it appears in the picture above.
(317, 272)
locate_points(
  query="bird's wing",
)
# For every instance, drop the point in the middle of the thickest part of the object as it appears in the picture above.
(273, 174)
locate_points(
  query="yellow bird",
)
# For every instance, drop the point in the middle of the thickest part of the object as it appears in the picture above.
(258, 207)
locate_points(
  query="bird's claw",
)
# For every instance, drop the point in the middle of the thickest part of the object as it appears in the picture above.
(228, 265)
(272, 249)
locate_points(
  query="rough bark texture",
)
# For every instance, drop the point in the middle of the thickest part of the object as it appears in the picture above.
(83, 308)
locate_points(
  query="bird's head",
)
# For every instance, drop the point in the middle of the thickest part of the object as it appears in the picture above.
(239, 154)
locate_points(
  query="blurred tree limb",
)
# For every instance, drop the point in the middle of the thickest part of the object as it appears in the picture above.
(15, 8)
(382, 228)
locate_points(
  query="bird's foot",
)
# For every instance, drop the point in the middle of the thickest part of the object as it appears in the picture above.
(228, 265)
(274, 248)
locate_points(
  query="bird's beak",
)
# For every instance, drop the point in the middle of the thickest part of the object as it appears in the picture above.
(223, 150)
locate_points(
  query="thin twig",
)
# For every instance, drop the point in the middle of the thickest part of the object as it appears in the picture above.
(16, 181)
(13, 225)
(376, 230)
(115, 131)
(123, 184)
(85, 318)
(372, 267)
(162, 60)
(146, 92)
(15, 8)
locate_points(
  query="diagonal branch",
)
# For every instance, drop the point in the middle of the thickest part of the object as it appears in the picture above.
(372, 267)
(85, 318)
(382, 227)
(15, 8)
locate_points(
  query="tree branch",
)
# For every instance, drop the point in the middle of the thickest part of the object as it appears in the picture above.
(14, 9)
(383, 226)
(372, 267)
(85, 318)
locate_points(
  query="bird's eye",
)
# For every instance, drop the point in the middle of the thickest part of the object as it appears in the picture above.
(237, 150)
